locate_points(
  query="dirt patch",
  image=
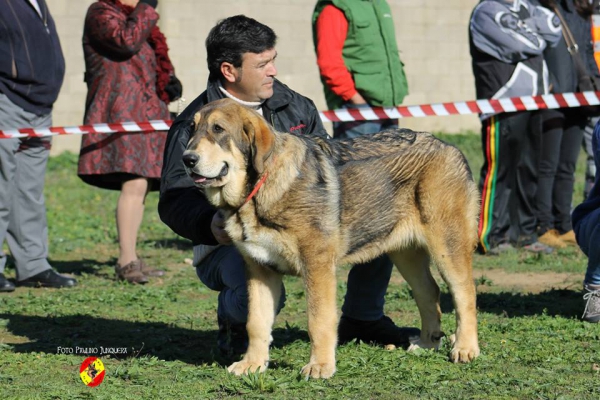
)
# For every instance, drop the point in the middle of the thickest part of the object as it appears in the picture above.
(524, 282)
(527, 282)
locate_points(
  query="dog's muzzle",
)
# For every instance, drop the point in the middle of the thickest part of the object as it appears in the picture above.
(191, 160)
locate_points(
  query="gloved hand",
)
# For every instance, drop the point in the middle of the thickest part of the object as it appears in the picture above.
(174, 89)
(151, 3)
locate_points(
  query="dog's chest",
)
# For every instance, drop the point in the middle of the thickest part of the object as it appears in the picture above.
(267, 255)
(264, 245)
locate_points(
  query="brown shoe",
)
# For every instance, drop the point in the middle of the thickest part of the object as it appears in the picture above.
(131, 272)
(552, 238)
(149, 271)
(569, 238)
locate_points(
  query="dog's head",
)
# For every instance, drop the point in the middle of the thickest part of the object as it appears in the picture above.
(228, 142)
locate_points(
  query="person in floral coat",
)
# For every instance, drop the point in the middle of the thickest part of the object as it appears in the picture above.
(130, 78)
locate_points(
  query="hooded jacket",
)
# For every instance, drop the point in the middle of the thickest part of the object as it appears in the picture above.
(182, 206)
(32, 66)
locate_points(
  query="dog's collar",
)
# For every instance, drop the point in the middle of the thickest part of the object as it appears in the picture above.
(256, 188)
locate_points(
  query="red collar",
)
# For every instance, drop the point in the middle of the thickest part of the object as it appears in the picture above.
(256, 188)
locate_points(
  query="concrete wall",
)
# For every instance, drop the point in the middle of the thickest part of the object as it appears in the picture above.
(432, 37)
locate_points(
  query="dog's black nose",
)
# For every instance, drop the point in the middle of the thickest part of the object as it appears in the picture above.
(190, 159)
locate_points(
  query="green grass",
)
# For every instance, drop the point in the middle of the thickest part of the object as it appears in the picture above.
(533, 344)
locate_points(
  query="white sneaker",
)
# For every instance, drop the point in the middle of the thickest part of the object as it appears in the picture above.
(591, 313)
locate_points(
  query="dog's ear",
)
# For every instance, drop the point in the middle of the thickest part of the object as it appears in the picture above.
(195, 121)
(261, 138)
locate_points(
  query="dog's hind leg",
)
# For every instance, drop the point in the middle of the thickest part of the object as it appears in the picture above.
(264, 292)
(413, 264)
(454, 261)
(320, 282)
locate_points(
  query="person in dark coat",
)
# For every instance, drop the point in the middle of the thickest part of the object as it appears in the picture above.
(130, 78)
(241, 60)
(562, 130)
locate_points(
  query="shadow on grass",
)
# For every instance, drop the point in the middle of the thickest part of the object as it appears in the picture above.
(554, 302)
(164, 341)
(90, 267)
(174, 244)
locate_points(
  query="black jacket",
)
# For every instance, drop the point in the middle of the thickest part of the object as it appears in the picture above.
(32, 66)
(560, 63)
(182, 206)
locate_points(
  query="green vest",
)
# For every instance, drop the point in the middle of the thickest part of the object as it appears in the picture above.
(370, 52)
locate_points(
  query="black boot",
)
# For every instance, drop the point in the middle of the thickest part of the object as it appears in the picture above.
(5, 284)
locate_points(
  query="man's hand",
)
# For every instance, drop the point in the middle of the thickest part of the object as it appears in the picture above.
(217, 226)
(357, 99)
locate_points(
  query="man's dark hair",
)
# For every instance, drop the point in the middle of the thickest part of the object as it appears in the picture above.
(234, 36)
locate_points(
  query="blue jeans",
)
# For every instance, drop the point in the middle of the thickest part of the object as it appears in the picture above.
(588, 237)
(367, 282)
(223, 270)
(587, 224)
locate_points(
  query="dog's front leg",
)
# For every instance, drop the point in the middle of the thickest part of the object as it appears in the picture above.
(320, 285)
(264, 291)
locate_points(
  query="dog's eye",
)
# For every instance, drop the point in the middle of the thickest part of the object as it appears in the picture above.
(217, 128)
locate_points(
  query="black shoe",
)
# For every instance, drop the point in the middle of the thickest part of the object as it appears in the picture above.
(48, 278)
(5, 284)
(380, 332)
(232, 338)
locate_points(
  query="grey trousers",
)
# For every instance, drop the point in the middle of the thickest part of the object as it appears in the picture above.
(22, 207)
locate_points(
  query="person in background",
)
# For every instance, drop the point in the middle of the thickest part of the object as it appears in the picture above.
(32, 69)
(586, 224)
(562, 129)
(359, 64)
(130, 78)
(507, 41)
(241, 61)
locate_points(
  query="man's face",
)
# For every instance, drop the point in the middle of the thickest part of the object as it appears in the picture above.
(254, 79)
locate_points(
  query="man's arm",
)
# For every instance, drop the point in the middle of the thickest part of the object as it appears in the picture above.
(546, 24)
(331, 30)
(182, 206)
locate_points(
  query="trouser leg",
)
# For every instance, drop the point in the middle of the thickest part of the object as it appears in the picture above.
(22, 207)
(588, 237)
(526, 141)
(27, 234)
(8, 166)
(550, 125)
(223, 270)
(565, 175)
(499, 136)
(367, 285)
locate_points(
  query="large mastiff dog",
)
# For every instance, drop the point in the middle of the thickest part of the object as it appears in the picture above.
(303, 205)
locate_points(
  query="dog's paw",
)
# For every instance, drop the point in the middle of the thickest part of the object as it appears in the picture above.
(318, 370)
(464, 354)
(245, 367)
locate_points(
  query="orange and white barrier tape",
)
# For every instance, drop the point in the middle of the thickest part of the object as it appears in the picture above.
(494, 106)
